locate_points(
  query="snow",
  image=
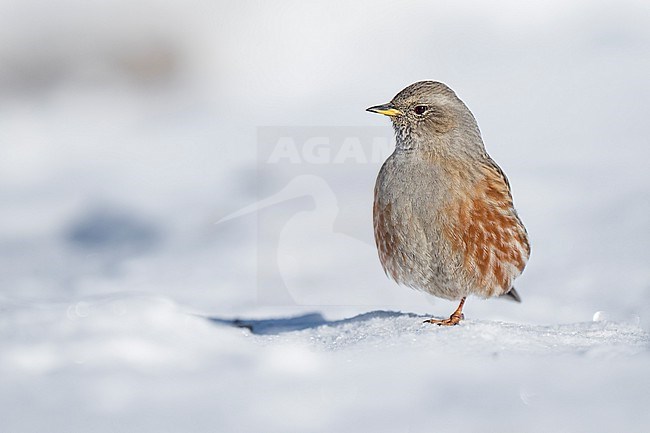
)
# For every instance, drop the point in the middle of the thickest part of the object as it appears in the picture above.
(138, 363)
(164, 268)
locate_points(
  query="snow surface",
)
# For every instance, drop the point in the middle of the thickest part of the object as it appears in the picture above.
(132, 301)
(139, 363)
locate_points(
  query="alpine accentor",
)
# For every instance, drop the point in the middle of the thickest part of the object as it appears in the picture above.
(443, 214)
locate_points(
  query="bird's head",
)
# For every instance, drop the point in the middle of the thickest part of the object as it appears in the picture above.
(425, 113)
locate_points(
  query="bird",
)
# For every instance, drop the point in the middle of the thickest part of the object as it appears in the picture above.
(443, 214)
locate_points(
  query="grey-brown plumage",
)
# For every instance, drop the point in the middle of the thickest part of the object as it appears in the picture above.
(444, 218)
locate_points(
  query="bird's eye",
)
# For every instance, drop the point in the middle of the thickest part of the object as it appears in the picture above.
(420, 109)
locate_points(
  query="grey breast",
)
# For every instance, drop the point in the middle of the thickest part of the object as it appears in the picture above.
(414, 193)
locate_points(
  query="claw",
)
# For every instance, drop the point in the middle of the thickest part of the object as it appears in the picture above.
(453, 320)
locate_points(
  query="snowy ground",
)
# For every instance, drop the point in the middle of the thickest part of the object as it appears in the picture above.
(144, 364)
(130, 301)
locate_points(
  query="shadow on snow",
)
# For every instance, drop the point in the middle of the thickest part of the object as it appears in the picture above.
(303, 321)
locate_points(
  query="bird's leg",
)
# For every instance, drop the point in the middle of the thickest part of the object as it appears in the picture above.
(454, 319)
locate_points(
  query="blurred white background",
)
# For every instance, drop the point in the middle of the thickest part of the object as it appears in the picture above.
(128, 128)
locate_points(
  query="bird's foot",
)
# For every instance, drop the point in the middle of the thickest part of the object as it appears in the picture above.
(454, 319)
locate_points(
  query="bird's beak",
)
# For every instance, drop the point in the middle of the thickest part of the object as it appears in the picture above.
(386, 110)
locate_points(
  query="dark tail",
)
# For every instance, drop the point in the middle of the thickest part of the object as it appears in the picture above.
(512, 294)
